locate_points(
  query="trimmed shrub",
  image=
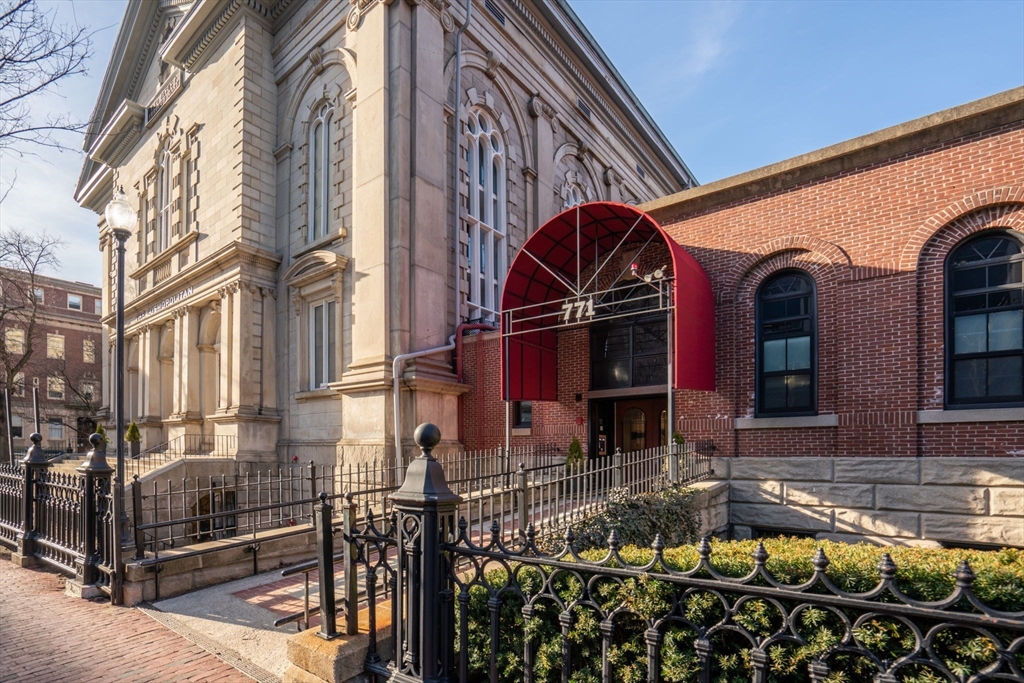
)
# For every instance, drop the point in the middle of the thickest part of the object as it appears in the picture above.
(922, 574)
(637, 519)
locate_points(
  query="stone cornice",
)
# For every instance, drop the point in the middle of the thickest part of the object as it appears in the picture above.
(218, 262)
(120, 133)
(205, 21)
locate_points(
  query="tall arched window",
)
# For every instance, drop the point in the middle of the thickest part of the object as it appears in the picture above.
(486, 225)
(985, 321)
(165, 200)
(786, 345)
(319, 172)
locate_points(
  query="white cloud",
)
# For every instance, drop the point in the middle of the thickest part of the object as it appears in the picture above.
(704, 47)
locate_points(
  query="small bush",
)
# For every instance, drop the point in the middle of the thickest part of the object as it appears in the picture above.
(923, 574)
(637, 519)
(131, 434)
(574, 457)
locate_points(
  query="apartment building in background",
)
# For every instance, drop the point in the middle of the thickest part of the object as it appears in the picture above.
(60, 331)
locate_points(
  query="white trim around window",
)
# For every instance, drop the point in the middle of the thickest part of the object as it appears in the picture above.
(486, 253)
(319, 173)
(323, 343)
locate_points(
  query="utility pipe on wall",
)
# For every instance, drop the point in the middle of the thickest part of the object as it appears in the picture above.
(459, 331)
(396, 374)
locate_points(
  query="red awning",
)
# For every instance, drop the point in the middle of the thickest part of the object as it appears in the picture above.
(547, 267)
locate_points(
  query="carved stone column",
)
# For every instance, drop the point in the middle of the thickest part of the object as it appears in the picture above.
(224, 396)
(269, 331)
(242, 348)
(544, 152)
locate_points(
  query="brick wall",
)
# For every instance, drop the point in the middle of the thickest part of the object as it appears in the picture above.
(874, 238)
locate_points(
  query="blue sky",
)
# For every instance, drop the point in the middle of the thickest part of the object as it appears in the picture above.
(734, 85)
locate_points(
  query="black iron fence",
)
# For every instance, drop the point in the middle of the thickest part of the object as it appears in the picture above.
(61, 519)
(470, 609)
(184, 446)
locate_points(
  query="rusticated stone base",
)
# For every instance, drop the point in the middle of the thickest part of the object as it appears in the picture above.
(905, 501)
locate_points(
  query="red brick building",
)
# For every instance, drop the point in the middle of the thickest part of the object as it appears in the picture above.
(62, 336)
(867, 304)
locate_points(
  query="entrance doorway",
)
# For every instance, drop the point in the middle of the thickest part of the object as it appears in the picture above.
(630, 423)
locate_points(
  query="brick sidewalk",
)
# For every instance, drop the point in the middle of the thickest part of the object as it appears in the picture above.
(47, 636)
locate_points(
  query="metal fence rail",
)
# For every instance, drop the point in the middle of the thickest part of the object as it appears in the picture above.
(175, 513)
(58, 518)
(184, 446)
(12, 490)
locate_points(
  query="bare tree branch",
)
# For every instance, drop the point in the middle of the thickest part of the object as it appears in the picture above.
(36, 53)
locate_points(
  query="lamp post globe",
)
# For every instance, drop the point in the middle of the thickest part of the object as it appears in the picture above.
(119, 214)
(121, 219)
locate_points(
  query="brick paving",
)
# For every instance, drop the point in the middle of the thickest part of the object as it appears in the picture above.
(47, 636)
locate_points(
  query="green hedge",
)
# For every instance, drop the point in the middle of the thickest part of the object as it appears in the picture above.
(924, 574)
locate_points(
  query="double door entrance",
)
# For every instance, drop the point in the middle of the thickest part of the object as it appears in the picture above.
(630, 423)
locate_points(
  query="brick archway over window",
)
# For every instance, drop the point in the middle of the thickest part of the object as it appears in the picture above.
(740, 271)
(1006, 198)
(930, 268)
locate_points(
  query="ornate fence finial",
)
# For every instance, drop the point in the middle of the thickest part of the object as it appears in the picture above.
(820, 561)
(886, 567)
(964, 575)
(760, 555)
(35, 455)
(96, 460)
(613, 540)
(424, 479)
(704, 548)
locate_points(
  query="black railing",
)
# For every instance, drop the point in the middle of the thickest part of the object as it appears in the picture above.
(61, 519)
(184, 446)
(465, 609)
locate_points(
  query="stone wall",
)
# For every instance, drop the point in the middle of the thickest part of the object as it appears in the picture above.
(911, 501)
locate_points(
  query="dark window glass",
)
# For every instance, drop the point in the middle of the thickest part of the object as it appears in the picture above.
(522, 414)
(629, 354)
(985, 321)
(786, 345)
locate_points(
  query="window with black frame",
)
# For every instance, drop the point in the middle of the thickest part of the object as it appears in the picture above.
(786, 345)
(985, 321)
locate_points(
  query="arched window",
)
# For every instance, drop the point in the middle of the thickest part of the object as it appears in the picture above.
(319, 172)
(486, 226)
(573, 196)
(786, 345)
(985, 321)
(165, 200)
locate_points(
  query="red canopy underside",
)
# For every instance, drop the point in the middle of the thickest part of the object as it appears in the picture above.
(530, 358)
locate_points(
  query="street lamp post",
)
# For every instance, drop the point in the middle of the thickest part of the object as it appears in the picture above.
(121, 219)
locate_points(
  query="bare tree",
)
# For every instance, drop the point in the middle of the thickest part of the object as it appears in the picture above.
(36, 53)
(23, 258)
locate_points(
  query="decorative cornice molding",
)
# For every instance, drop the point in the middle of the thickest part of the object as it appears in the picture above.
(269, 10)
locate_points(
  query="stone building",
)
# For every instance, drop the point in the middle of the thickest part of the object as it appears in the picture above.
(61, 335)
(867, 303)
(323, 187)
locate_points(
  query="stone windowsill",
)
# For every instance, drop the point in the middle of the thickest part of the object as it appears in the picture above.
(970, 415)
(322, 392)
(521, 431)
(320, 243)
(808, 421)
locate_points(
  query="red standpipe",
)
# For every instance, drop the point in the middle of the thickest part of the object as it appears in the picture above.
(465, 327)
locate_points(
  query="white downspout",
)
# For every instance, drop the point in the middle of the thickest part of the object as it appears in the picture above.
(396, 374)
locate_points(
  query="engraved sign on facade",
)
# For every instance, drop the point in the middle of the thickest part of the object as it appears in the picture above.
(171, 300)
